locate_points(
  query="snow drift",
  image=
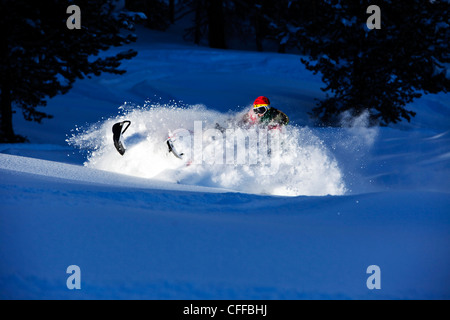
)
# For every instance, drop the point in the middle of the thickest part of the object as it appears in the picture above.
(292, 161)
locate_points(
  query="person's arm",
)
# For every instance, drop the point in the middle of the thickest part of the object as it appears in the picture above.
(281, 118)
(285, 118)
(247, 119)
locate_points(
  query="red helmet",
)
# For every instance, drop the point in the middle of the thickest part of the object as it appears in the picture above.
(261, 102)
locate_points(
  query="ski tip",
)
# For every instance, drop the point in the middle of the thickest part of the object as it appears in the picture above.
(118, 130)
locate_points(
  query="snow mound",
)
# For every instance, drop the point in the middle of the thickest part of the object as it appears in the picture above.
(218, 152)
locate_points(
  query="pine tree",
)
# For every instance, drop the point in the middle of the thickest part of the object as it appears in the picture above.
(40, 57)
(208, 21)
(380, 70)
(282, 18)
(159, 14)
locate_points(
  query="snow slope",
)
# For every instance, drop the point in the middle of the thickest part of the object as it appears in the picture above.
(162, 236)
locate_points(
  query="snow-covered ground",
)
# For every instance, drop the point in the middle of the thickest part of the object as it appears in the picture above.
(148, 226)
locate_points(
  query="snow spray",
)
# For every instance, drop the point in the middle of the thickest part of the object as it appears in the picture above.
(217, 152)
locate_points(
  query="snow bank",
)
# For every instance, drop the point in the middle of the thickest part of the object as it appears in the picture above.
(75, 174)
(132, 241)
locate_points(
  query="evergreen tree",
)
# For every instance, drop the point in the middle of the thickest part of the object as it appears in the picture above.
(216, 24)
(159, 13)
(208, 22)
(40, 57)
(380, 70)
(223, 21)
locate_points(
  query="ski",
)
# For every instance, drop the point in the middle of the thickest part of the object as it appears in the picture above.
(118, 130)
(172, 149)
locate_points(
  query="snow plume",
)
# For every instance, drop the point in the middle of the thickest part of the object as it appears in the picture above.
(359, 129)
(352, 144)
(218, 152)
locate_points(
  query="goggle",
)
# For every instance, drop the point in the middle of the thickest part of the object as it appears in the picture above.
(260, 110)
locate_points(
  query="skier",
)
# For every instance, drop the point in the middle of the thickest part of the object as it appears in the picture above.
(263, 114)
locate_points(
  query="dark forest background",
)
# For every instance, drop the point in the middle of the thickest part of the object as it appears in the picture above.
(379, 71)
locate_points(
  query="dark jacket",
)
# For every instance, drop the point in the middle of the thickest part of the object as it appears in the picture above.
(272, 117)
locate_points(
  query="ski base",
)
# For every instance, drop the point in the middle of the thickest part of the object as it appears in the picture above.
(173, 150)
(118, 131)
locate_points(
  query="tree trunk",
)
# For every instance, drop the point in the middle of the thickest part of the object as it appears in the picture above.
(172, 11)
(216, 23)
(198, 21)
(6, 126)
(258, 31)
